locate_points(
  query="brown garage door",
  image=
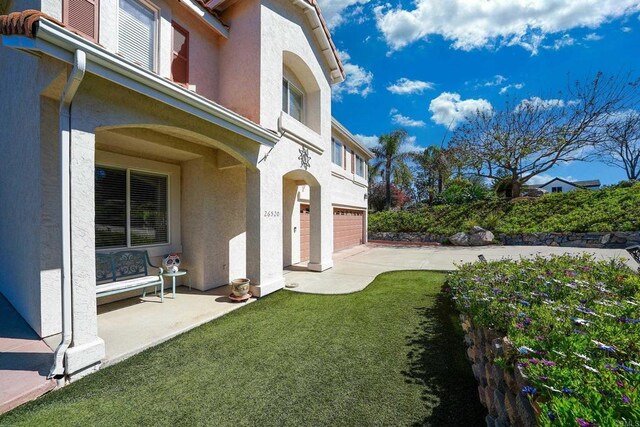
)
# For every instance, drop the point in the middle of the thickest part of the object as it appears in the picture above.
(347, 228)
(305, 233)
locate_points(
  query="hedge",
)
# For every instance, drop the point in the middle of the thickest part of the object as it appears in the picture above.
(605, 210)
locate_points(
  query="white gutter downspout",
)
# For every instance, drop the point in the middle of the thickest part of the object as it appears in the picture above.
(77, 74)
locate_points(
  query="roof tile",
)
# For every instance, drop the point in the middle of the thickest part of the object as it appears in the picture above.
(23, 23)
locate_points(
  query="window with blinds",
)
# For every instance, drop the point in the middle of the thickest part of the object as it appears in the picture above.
(137, 33)
(132, 208)
(82, 16)
(180, 55)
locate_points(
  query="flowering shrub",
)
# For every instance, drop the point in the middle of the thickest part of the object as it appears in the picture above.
(575, 327)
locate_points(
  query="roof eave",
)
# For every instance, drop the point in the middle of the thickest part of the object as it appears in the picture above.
(343, 130)
(55, 41)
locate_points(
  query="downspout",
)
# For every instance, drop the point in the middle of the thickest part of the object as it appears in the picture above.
(77, 73)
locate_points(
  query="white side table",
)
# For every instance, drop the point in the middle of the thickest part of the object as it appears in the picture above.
(173, 279)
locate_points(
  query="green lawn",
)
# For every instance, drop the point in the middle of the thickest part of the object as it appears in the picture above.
(390, 355)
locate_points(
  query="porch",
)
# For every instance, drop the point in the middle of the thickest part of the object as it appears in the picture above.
(132, 325)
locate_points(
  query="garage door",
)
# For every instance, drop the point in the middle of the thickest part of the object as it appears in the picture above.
(305, 233)
(347, 228)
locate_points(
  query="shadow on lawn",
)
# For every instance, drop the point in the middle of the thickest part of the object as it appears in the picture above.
(437, 362)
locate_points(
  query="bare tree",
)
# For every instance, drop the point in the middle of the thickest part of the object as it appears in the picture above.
(621, 148)
(528, 138)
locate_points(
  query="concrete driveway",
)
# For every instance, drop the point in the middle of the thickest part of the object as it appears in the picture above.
(355, 268)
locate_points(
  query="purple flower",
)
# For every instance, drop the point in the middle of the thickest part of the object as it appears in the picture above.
(626, 399)
(611, 368)
(525, 303)
(567, 391)
(626, 368)
(540, 337)
(548, 362)
(585, 423)
(529, 390)
(552, 416)
(570, 273)
(543, 378)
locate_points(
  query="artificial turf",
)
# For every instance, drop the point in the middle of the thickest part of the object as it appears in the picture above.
(389, 355)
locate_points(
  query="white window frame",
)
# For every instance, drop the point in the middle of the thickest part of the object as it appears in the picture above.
(335, 141)
(302, 94)
(136, 164)
(361, 160)
(156, 32)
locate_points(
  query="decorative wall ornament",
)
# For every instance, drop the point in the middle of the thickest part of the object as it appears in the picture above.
(171, 263)
(305, 158)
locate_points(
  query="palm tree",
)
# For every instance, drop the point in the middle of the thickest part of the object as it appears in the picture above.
(390, 160)
(434, 166)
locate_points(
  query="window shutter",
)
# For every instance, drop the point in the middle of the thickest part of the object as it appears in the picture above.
(136, 33)
(82, 16)
(344, 157)
(353, 161)
(180, 57)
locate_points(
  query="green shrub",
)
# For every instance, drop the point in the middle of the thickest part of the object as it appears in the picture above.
(575, 328)
(609, 209)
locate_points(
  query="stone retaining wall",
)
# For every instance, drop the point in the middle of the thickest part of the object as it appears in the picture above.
(614, 240)
(500, 390)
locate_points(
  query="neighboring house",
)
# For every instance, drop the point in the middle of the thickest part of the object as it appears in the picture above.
(559, 185)
(196, 127)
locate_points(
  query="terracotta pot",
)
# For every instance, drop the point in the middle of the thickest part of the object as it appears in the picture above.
(240, 287)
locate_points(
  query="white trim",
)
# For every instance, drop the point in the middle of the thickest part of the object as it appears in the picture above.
(336, 125)
(204, 15)
(60, 43)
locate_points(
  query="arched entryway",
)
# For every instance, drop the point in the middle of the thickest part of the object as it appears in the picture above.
(300, 224)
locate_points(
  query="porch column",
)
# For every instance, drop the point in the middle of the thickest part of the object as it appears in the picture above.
(321, 257)
(87, 350)
(264, 232)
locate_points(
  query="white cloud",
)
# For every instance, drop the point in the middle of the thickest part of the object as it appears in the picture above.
(626, 29)
(371, 141)
(564, 41)
(544, 178)
(475, 24)
(358, 81)
(537, 102)
(496, 81)
(405, 121)
(516, 86)
(593, 37)
(448, 109)
(404, 86)
(368, 141)
(336, 12)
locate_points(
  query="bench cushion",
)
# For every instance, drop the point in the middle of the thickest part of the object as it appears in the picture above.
(123, 285)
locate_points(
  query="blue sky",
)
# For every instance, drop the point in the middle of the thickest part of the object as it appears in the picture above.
(422, 65)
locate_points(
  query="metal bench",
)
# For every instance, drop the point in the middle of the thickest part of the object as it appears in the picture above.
(123, 271)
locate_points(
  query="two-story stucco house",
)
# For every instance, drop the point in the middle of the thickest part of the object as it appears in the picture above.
(189, 126)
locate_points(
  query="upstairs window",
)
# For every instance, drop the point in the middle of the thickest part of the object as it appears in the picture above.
(137, 33)
(292, 100)
(131, 208)
(360, 166)
(82, 16)
(180, 55)
(336, 152)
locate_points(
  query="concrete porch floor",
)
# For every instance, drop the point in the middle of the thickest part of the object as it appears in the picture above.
(25, 360)
(135, 324)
